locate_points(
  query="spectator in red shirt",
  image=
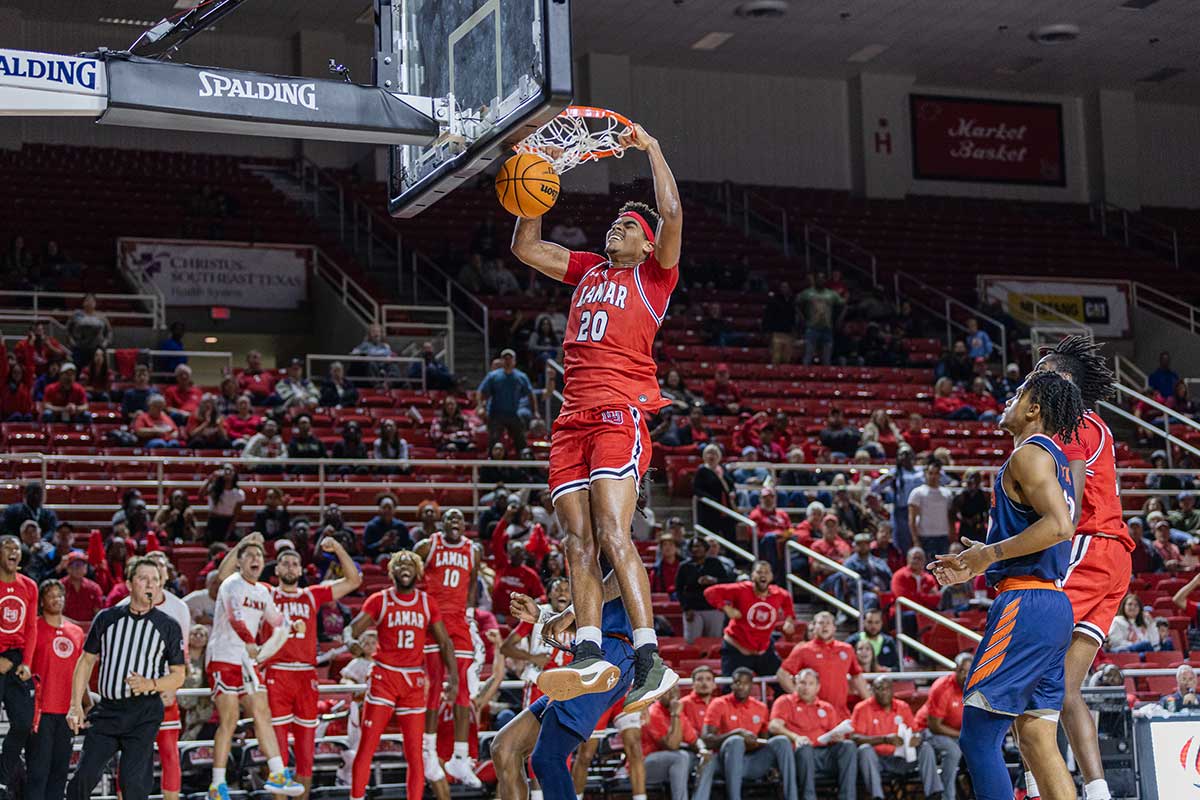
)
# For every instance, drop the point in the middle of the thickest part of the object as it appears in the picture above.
(914, 582)
(183, 398)
(243, 423)
(948, 402)
(942, 715)
(804, 718)
(256, 381)
(1167, 551)
(65, 400)
(37, 350)
(16, 388)
(18, 643)
(514, 577)
(704, 690)
(877, 722)
(666, 567)
(153, 427)
(84, 597)
(833, 661)
(60, 643)
(668, 743)
(754, 608)
(884, 548)
(980, 399)
(831, 545)
(721, 396)
(810, 528)
(735, 726)
(768, 516)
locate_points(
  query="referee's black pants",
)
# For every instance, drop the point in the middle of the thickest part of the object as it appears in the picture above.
(48, 758)
(130, 727)
(17, 697)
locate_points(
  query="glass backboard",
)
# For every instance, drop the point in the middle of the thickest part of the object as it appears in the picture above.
(488, 71)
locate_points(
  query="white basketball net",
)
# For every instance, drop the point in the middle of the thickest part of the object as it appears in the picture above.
(576, 136)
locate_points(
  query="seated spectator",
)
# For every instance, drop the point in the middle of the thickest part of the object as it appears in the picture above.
(881, 436)
(1187, 517)
(88, 331)
(452, 431)
(971, 507)
(884, 646)
(1181, 401)
(32, 506)
(384, 533)
(304, 444)
(389, 445)
(721, 396)
(84, 597)
(979, 344)
(1168, 557)
(820, 750)
(154, 427)
(18, 261)
(227, 396)
(957, 365)
(849, 513)
(429, 518)
(694, 576)
(1163, 378)
(438, 376)
(501, 475)
(176, 520)
(134, 398)
(96, 377)
(257, 381)
(16, 389)
(294, 390)
(833, 660)
(336, 391)
(206, 427)
(183, 398)
(712, 480)
(915, 582)
(666, 564)
(38, 350)
(1166, 640)
(949, 403)
(273, 520)
(1132, 629)
(752, 476)
(942, 715)
(866, 657)
(472, 275)
(683, 431)
(676, 392)
(670, 745)
(838, 436)
(351, 446)
(831, 545)
(980, 399)
(49, 378)
(66, 400)
(266, 443)
(754, 608)
(375, 346)
(876, 576)
(1185, 695)
(735, 727)
(877, 725)
(1007, 386)
(242, 423)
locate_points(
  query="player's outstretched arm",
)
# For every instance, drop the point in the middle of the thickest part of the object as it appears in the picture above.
(547, 258)
(668, 239)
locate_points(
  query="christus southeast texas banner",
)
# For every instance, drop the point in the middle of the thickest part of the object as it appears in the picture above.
(987, 141)
(1103, 305)
(196, 273)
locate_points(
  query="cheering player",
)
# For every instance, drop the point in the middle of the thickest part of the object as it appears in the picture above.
(525, 643)
(1100, 568)
(291, 674)
(1017, 675)
(243, 604)
(451, 563)
(601, 445)
(405, 618)
(18, 640)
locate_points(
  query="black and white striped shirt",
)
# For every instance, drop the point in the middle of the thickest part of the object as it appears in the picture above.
(146, 644)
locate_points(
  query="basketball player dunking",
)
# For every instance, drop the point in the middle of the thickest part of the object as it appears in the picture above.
(1099, 571)
(601, 445)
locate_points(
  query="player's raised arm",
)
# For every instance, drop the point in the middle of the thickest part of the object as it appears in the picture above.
(547, 258)
(669, 237)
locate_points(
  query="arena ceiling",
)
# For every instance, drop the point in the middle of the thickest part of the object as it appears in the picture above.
(980, 43)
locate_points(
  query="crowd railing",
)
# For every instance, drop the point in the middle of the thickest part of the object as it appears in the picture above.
(223, 360)
(736, 516)
(855, 612)
(400, 375)
(32, 306)
(902, 638)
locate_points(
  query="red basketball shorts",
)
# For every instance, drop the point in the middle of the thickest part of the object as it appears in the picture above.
(611, 442)
(228, 678)
(399, 688)
(293, 695)
(436, 670)
(1097, 578)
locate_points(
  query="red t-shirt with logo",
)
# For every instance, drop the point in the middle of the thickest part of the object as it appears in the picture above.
(760, 615)
(726, 714)
(18, 616)
(945, 702)
(834, 663)
(871, 719)
(658, 725)
(694, 708)
(58, 648)
(806, 719)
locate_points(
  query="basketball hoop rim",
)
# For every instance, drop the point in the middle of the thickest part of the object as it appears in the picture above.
(594, 112)
(533, 144)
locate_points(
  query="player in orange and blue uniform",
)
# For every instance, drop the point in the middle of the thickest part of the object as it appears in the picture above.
(1016, 679)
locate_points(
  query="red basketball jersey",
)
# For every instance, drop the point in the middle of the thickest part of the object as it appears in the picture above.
(402, 623)
(608, 351)
(1100, 513)
(448, 577)
(300, 649)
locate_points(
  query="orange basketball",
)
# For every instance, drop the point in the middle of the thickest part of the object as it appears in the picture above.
(527, 185)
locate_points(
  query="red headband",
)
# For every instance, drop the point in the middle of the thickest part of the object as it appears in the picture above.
(646, 229)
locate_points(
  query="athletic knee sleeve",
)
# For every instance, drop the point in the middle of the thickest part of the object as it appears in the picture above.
(981, 743)
(168, 758)
(304, 747)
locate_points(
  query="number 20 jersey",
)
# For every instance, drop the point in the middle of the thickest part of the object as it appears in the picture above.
(403, 622)
(608, 350)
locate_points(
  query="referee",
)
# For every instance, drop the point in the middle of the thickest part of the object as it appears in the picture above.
(140, 650)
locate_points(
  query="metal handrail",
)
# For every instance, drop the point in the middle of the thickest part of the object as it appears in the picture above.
(39, 309)
(814, 233)
(452, 291)
(1126, 368)
(358, 300)
(903, 638)
(1180, 443)
(1170, 243)
(949, 304)
(857, 613)
(224, 355)
(309, 358)
(729, 512)
(1050, 314)
(728, 545)
(445, 328)
(1164, 305)
(782, 225)
(823, 595)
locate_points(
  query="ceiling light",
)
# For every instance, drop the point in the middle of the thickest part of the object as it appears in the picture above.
(134, 23)
(867, 53)
(762, 9)
(1160, 75)
(210, 340)
(1136, 5)
(1055, 34)
(712, 41)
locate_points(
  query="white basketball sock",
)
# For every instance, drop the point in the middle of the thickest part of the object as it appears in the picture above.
(1097, 790)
